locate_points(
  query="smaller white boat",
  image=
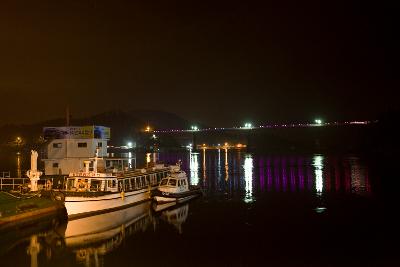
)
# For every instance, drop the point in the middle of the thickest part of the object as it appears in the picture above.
(175, 188)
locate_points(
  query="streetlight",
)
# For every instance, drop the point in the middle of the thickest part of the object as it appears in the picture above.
(148, 129)
(18, 141)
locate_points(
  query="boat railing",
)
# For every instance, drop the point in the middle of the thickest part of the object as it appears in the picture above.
(7, 183)
(5, 174)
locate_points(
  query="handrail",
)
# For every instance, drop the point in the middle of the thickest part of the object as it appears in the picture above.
(5, 174)
(11, 182)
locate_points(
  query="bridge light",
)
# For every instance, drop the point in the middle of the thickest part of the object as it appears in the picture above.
(318, 121)
(129, 144)
(194, 128)
(247, 125)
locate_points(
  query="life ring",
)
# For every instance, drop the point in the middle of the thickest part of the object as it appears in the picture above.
(81, 185)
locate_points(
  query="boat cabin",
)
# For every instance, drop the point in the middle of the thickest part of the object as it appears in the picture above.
(105, 182)
(91, 183)
(176, 182)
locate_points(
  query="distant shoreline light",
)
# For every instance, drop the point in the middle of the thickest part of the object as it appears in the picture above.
(247, 126)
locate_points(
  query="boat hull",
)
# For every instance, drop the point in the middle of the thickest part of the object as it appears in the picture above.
(164, 197)
(84, 206)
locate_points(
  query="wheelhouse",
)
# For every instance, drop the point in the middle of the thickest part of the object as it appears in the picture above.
(175, 181)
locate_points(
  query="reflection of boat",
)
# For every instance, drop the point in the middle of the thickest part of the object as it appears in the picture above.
(97, 235)
(176, 216)
(16, 235)
(175, 188)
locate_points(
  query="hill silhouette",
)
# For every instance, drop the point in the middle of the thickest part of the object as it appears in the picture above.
(125, 125)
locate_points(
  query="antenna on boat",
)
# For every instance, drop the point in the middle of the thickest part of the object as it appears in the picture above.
(95, 160)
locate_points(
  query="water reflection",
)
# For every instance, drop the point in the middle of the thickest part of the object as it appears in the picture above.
(176, 216)
(194, 168)
(219, 164)
(359, 176)
(204, 165)
(19, 171)
(226, 165)
(86, 241)
(248, 177)
(90, 238)
(33, 250)
(318, 165)
(317, 173)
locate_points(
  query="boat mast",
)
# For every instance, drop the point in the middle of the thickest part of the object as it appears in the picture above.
(95, 160)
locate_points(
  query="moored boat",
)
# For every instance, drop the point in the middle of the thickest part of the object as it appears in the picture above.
(175, 188)
(94, 192)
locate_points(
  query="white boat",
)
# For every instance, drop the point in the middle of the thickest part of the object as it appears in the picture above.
(175, 188)
(91, 192)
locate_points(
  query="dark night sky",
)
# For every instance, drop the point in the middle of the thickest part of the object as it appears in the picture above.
(216, 62)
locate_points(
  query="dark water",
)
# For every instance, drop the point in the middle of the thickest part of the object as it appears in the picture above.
(258, 210)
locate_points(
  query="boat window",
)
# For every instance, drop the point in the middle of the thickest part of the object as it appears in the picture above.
(57, 145)
(95, 185)
(172, 182)
(70, 184)
(82, 184)
(164, 181)
(111, 183)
